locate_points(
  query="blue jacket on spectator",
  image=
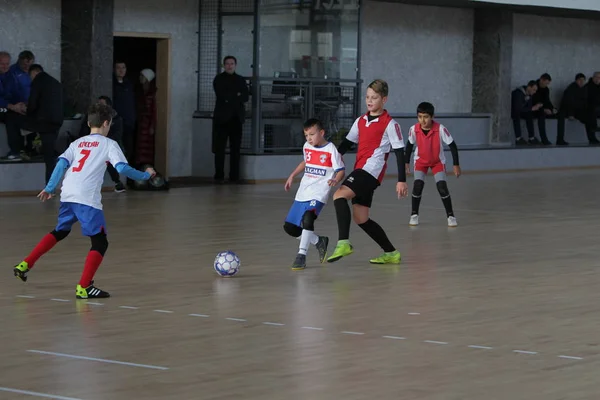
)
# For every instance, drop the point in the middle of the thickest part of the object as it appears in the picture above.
(22, 82)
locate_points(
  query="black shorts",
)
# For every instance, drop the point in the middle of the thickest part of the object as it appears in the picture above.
(363, 184)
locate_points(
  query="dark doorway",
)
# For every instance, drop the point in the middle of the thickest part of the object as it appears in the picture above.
(136, 53)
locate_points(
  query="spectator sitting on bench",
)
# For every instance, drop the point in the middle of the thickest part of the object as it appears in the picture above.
(5, 84)
(593, 93)
(542, 96)
(522, 107)
(44, 115)
(574, 106)
(115, 133)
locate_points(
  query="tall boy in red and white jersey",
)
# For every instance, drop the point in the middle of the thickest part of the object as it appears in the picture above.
(429, 138)
(376, 134)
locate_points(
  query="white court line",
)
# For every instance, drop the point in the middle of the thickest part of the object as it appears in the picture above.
(61, 300)
(129, 307)
(199, 315)
(352, 333)
(36, 394)
(93, 303)
(434, 342)
(312, 328)
(236, 319)
(394, 337)
(481, 347)
(49, 353)
(273, 323)
(414, 313)
(163, 311)
(25, 296)
(571, 357)
(525, 352)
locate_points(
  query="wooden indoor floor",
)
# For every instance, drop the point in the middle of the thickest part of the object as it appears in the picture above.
(505, 306)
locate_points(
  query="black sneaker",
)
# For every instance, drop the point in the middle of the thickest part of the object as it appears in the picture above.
(521, 142)
(299, 262)
(90, 292)
(322, 248)
(534, 141)
(119, 187)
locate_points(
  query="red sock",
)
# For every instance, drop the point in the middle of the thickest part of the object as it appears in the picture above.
(92, 262)
(44, 246)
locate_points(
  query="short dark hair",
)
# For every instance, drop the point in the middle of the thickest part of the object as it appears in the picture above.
(26, 55)
(98, 114)
(309, 123)
(106, 99)
(230, 58)
(426, 108)
(380, 87)
(531, 83)
(546, 77)
(36, 67)
(579, 76)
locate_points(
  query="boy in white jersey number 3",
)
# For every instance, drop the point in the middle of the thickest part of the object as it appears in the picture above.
(323, 169)
(83, 165)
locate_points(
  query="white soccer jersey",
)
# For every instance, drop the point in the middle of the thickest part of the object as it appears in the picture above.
(87, 158)
(322, 163)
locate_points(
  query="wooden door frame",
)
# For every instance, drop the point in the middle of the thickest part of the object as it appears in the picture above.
(163, 95)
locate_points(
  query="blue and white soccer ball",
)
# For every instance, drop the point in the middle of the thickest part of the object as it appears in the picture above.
(227, 263)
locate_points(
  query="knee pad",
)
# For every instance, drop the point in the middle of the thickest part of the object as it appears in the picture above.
(60, 235)
(418, 188)
(308, 220)
(442, 188)
(99, 243)
(292, 230)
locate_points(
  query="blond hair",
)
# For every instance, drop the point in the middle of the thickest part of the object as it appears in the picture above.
(380, 87)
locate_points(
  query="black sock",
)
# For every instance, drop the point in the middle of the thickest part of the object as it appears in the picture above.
(344, 218)
(416, 202)
(448, 206)
(377, 233)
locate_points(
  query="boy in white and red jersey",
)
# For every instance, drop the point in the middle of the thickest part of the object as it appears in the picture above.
(429, 137)
(323, 168)
(83, 165)
(377, 134)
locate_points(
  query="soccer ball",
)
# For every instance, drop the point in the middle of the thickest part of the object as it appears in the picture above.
(227, 263)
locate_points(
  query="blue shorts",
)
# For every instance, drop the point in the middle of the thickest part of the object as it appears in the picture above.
(91, 219)
(298, 209)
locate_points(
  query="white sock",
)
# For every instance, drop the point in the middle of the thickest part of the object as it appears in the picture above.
(308, 237)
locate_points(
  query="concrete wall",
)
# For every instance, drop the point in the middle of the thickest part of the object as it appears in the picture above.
(179, 18)
(425, 53)
(560, 46)
(32, 25)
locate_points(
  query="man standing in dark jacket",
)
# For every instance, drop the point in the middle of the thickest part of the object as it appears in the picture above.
(228, 119)
(573, 106)
(522, 107)
(593, 95)
(125, 106)
(44, 115)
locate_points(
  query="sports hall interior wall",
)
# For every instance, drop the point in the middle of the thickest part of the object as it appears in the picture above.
(398, 42)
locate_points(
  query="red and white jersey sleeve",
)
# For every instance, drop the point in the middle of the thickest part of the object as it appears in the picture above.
(445, 135)
(322, 163)
(394, 134)
(87, 159)
(412, 139)
(353, 134)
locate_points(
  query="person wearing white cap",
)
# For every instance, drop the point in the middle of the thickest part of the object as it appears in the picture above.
(144, 153)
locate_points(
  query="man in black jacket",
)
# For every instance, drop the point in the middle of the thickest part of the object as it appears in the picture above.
(522, 107)
(542, 96)
(573, 106)
(228, 119)
(593, 95)
(44, 115)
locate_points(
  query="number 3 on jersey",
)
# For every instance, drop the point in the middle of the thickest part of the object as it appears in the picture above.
(85, 153)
